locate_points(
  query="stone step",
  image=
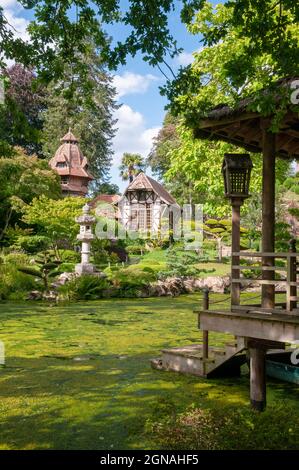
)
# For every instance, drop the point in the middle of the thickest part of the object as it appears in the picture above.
(189, 359)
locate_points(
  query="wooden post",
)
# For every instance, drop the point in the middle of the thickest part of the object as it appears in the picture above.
(205, 333)
(171, 236)
(257, 376)
(235, 273)
(268, 235)
(292, 277)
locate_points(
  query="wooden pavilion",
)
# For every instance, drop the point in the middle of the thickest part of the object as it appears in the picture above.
(261, 329)
(271, 324)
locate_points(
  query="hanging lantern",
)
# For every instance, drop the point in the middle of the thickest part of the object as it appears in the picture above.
(236, 170)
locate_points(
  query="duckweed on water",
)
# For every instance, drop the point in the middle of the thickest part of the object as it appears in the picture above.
(78, 376)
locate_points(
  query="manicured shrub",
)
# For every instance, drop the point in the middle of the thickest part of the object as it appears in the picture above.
(45, 268)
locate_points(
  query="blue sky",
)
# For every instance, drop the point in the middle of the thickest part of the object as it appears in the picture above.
(141, 114)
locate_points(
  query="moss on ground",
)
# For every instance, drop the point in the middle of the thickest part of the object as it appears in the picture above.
(78, 376)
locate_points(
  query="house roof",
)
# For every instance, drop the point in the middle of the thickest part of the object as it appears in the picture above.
(142, 181)
(241, 127)
(108, 198)
(69, 153)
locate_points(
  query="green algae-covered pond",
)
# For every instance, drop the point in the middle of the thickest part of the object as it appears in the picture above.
(79, 377)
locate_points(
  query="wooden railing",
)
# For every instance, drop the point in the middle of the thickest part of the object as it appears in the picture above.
(290, 268)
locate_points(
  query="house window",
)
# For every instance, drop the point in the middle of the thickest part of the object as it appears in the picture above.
(60, 165)
(64, 179)
(134, 219)
(148, 216)
(141, 219)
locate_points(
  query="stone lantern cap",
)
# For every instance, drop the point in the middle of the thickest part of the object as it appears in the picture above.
(85, 218)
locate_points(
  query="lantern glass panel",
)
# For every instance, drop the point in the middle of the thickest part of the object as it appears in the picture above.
(236, 170)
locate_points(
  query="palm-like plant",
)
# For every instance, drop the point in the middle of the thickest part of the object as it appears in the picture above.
(46, 268)
(131, 165)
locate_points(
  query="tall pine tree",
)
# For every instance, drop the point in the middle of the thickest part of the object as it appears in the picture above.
(90, 116)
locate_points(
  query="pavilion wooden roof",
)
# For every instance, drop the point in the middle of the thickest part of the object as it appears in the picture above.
(243, 128)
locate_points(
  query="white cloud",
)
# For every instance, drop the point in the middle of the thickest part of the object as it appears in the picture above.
(17, 24)
(185, 58)
(129, 83)
(10, 4)
(12, 10)
(132, 135)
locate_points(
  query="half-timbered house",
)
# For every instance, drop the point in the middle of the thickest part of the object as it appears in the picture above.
(144, 203)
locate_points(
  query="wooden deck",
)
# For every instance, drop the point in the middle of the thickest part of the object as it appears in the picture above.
(282, 327)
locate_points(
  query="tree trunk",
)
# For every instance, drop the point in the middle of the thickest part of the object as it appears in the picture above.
(7, 220)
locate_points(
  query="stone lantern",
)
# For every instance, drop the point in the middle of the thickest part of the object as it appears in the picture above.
(86, 222)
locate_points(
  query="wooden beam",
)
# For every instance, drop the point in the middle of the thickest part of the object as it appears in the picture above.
(225, 127)
(268, 213)
(209, 123)
(260, 324)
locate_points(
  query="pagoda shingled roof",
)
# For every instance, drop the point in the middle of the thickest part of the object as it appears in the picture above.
(69, 153)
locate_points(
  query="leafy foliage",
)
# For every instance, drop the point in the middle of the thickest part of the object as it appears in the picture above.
(128, 282)
(182, 263)
(21, 179)
(289, 201)
(221, 230)
(85, 287)
(166, 140)
(199, 162)
(248, 47)
(107, 188)
(59, 38)
(14, 285)
(21, 112)
(54, 219)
